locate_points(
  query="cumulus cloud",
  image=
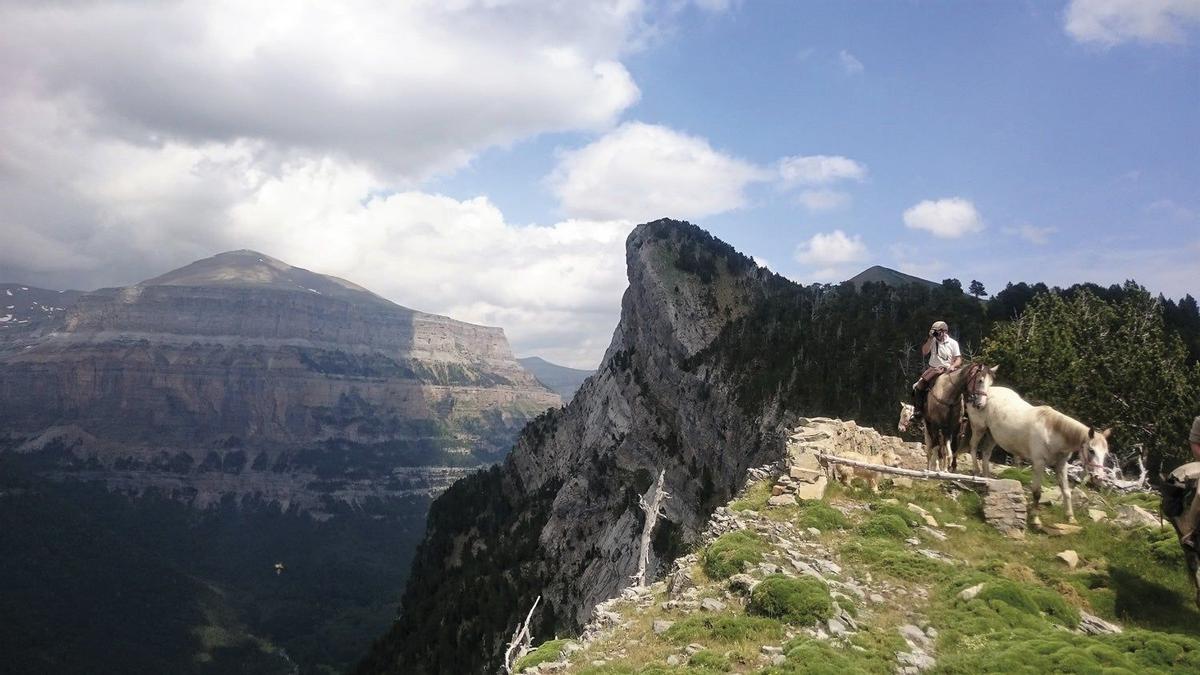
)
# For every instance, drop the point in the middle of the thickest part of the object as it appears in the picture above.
(850, 63)
(643, 171)
(1111, 22)
(1031, 234)
(947, 218)
(411, 87)
(830, 253)
(823, 200)
(555, 289)
(819, 170)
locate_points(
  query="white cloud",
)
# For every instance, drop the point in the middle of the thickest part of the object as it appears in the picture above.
(410, 87)
(1031, 234)
(823, 200)
(1111, 22)
(830, 253)
(850, 63)
(642, 171)
(948, 218)
(819, 170)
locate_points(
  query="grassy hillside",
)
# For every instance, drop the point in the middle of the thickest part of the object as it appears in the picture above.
(910, 578)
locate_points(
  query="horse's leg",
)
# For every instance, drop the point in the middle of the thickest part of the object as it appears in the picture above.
(1039, 468)
(1064, 485)
(929, 456)
(986, 446)
(973, 447)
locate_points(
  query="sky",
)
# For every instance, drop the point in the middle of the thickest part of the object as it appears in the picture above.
(485, 159)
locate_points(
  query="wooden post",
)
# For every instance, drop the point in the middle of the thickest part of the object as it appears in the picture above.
(912, 473)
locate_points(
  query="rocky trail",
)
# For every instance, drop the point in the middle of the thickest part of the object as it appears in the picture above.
(806, 574)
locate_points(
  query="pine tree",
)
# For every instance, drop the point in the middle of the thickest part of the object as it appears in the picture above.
(976, 288)
(1106, 364)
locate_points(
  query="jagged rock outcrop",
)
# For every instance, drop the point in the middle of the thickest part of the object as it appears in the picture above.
(240, 374)
(559, 518)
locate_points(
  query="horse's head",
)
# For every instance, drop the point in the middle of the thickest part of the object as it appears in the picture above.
(980, 379)
(1094, 453)
(906, 415)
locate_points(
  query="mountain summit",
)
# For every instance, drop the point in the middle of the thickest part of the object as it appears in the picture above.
(888, 276)
(251, 269)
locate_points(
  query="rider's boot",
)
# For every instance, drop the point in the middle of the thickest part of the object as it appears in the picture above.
(918, 405)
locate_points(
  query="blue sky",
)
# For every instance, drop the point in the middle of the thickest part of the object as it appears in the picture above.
(485, 160)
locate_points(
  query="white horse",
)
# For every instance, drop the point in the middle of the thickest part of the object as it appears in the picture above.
(1039, 434)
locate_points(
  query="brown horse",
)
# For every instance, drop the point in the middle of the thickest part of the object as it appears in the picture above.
(943, 415)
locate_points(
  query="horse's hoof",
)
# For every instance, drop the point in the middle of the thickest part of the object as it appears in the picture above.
(1072, 520)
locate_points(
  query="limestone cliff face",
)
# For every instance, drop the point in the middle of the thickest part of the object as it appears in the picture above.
(241, 374)
(559, 518)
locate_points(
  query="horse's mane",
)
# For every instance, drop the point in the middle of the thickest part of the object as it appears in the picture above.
(1071, 429)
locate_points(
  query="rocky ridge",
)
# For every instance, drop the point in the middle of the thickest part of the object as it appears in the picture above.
(910, 611)
(242, 375)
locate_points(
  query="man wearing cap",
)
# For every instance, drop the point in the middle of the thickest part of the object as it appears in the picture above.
(944, 356)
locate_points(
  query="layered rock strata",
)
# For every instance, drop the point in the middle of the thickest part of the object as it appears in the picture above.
(242, 374)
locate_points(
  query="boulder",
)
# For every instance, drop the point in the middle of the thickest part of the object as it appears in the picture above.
(1097, 515)
(782, 500)
(661, 625)
(1004, 507)
(812, 491)
(1061, 529)
(1070, 557)
(970, 593)
(1132, 515)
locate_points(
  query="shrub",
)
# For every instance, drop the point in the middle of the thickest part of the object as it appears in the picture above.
(1030, 651)
(723, 628)
(731, 552)
(800, 601)
(821, 516)
(886, 525)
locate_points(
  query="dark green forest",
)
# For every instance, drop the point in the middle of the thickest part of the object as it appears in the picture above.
(1111, 356)
(96, 582)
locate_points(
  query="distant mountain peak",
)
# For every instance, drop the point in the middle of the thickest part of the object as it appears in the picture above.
(248, 268)
(889, 276)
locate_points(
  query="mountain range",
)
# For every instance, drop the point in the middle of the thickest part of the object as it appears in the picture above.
(228, 416)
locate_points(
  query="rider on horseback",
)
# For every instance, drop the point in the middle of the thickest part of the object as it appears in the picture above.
(944, 356)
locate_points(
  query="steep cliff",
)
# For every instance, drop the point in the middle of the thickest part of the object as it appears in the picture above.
(240, 374)
(558, 518)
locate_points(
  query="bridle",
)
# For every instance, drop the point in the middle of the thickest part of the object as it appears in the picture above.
(975, 393)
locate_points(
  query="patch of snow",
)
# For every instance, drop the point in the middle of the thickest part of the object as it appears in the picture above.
(9, 307)
(24, 288)
(315, 291)
(6, 317)
(8, 290)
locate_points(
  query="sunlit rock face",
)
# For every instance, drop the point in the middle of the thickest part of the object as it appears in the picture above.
(242, 375)
(559, 518)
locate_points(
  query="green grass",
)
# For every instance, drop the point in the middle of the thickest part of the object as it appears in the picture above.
(890, 559)
(547, 651)
(724, 628)
(800, 601)
(1035, 652)
(706, 660)
(807, 656)
(821, 516)
(731, 552)
(885, 525)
